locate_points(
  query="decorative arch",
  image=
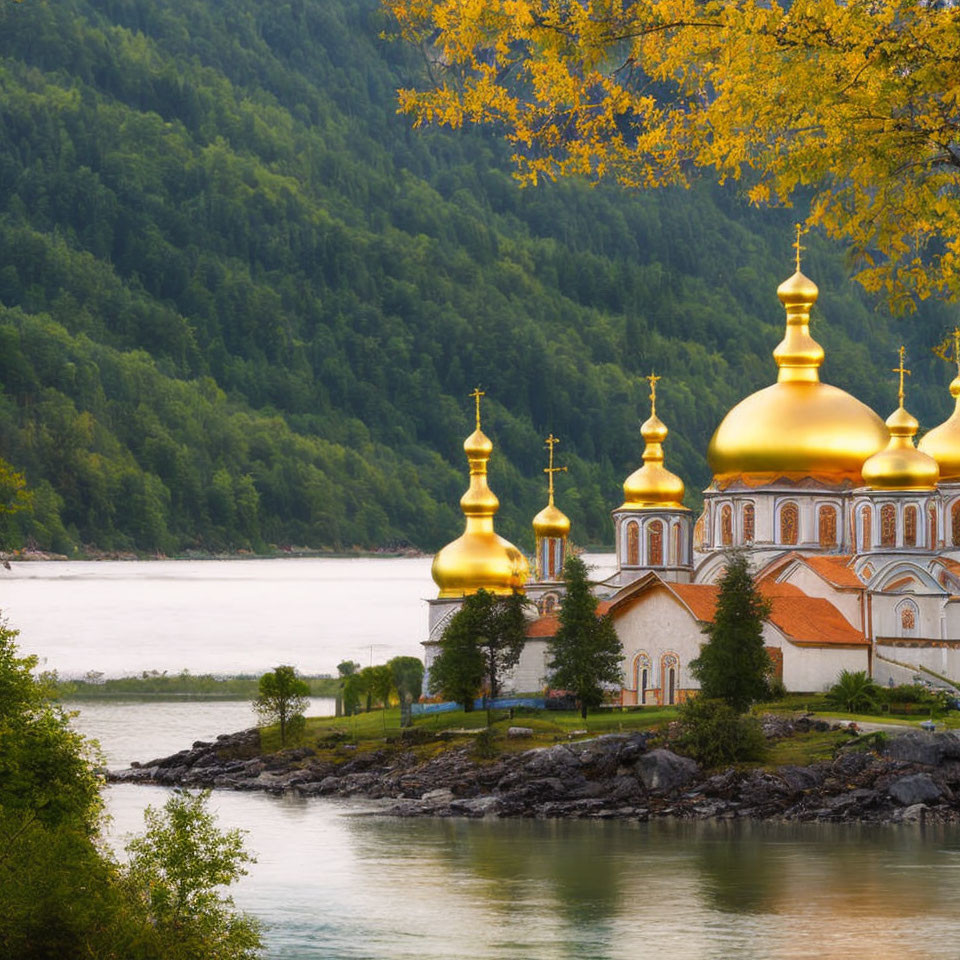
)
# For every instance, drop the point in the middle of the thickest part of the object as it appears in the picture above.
(866, 528)
(888, 525)
(669, 678)
(726, 525)
(549, 604)
(749, 522)
(827, 525)
(642, 675)
(908, 619)
(633, 543)
(910, 525)
(655, 543)
(789, 523)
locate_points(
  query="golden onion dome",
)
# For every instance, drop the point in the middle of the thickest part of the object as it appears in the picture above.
(943, 442)
(901, 466)
(653, 487)
(798, 427)
(551, 521)
(479, 559)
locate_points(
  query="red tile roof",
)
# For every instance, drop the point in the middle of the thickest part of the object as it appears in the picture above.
(835, 570)
(547, 625)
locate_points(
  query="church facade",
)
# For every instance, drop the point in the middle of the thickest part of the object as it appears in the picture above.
(852, 531)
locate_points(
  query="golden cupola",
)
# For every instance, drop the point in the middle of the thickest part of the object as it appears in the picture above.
(943, 442)
(551, 527)
(798, 427)
(901, 466)
(479, 559)
(653, 487)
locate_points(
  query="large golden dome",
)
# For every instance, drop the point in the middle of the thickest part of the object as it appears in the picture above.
(653, 487)
(479, 559)
(798, 427)
(943, 442)
(901, 466)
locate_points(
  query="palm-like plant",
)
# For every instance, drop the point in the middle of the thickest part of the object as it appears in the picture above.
(854, 691)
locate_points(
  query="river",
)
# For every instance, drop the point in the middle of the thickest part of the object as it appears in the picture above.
(334, 882)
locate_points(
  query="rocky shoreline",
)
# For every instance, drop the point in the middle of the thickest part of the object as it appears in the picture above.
(911, 777)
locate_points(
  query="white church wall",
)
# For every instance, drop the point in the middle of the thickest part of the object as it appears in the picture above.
(814, 669)
(893, 613)
(530, 674)
(943, 659)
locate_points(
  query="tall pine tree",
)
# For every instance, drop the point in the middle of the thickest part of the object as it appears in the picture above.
(733, 665)
(586, 653)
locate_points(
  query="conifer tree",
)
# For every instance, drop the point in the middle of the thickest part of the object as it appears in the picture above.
(586, 652)
(733, 665)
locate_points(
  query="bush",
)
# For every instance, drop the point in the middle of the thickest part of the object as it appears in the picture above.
(778, 689)
(905, 693)
(714, 734)
(484, 745)
(854, 692)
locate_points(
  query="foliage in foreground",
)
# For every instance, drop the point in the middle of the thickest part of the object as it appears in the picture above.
(733, 665)
(586, 653)
(714, 734)
(62, 894)
(854, 691)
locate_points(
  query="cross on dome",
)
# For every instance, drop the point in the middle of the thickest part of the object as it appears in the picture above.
(902, 371)
(653, 378)
(551, 442)
(477, 394)
(796, 244)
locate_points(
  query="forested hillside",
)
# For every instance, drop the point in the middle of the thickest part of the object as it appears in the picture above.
(242, 303)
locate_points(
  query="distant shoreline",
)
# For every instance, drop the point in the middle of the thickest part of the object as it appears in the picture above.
(120, 556)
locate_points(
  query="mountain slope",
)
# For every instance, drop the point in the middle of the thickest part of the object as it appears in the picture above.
(243, 302)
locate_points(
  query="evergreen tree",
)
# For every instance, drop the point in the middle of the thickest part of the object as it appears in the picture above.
(733, 665)
(586, 652)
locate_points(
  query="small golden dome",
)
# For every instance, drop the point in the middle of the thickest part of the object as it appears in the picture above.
(901, 466)
(943, 442)
(798, 427)
(479, 558)
(653, 487)
(551, 522)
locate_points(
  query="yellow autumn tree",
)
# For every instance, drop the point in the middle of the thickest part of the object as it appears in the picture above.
(856, 101)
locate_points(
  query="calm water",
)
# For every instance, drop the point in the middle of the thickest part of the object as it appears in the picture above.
(333, 882)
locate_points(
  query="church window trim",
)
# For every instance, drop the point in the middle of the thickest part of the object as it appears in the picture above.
(678, 557)
(726, 525)
(865, 527)
(654, 543)
(749, 522)
(669, 678)
(888, 525)
(828, 525)
(955, 522)
(908, 618)
(910, 524)
(788, 523)
(632, 536)
(642, 675)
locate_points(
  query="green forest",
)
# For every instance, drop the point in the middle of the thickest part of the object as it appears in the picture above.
(242, 302)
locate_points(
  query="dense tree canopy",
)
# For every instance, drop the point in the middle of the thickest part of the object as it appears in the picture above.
(859, 99)
(242, 303)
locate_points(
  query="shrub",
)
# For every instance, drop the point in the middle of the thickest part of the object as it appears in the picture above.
(714, 734)
(854, 692)
(484, 745)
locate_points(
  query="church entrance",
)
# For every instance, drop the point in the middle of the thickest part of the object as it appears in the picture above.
(672, 686)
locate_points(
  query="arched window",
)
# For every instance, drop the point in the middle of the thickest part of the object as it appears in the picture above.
(726, 525)
(633, 544)
(655, 543)
(910, 526)
(932, 542)
(749, 523)
(669, 677)
(908, 618)
(641, 667)
(955, 523)
(677, 544)
(789, 523)
(866, 529)
(888, 525)
(827, 525)
(549, 603)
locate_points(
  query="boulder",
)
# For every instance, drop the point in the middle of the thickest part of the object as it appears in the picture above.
(919, 747)
(517, 733)
(663, 771)
(917, 788)
(476, 806)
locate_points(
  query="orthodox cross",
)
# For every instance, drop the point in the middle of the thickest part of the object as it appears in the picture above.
(551, 442)
(477, 394)
(901, 370)
(797, 246)
(653, 378)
